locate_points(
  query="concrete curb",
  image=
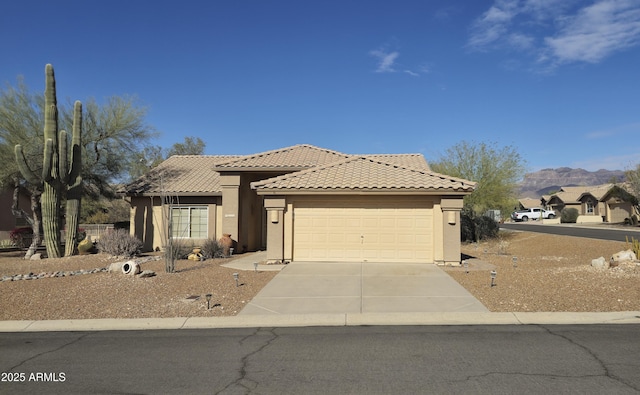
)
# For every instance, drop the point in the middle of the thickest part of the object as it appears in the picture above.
(304, 320)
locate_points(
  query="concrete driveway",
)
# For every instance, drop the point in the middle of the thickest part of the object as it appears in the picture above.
(327, 287)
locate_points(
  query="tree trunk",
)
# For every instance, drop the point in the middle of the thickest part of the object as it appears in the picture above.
(36, 224)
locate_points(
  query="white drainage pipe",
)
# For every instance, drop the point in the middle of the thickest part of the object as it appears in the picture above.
(131, 268)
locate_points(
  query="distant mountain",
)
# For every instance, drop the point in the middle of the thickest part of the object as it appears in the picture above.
(544, 181)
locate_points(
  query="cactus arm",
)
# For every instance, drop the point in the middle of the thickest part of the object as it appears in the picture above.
(51, 121)
(24, 168)
(47, 161)
(76, 146)
(73, 180)
(62, 155)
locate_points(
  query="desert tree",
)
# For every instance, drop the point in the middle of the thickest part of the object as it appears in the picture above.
(113, 133)
(633, 180)
(496, 170)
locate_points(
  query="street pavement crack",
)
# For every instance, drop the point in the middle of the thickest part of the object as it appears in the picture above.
(49, 352)
(243, 381)
(594, 355)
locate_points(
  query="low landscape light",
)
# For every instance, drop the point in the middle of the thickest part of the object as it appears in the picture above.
(230, 251)
(466, 266)
(515, 261)
(493, 277)
(255, 266)
(208, 296)
(236, 277)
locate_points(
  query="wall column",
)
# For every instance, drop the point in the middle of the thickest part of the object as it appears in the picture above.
(451, 208)
(231, 205)
(275, 206)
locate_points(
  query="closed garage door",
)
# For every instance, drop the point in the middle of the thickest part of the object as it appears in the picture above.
(620, 211)
(376, 229)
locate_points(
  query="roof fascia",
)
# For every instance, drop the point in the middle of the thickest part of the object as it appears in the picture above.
(360, 192)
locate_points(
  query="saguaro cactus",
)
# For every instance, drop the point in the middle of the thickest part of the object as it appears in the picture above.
(57, 174)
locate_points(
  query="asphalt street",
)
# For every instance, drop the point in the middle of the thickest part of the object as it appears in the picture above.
(526, 359)
(592, 232)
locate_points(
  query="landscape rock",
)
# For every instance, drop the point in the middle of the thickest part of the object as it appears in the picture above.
(600, 263)
(115, 267)
(36, 257)
(623, 256)
(147, 273)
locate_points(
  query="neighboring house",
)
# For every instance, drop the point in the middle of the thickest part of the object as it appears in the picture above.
(9, 221)
(304, 203)
(526, 203)
(600, 203)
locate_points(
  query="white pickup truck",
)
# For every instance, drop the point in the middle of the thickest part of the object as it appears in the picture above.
(532, 213)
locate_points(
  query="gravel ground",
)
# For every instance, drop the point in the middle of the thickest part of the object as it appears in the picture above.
(553, 274)
(115, 295)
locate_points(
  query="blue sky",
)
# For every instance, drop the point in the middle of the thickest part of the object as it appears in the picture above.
(559, 79)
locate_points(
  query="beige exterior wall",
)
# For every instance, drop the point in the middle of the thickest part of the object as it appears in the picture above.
(231, 208)
(7, 220)
(275, 207)
(149, 219)
(451, 208)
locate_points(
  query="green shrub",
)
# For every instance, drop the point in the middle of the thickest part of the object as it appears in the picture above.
(486, 227)
(119, 243)
(212, 249)
(477, 228)
(569, 215)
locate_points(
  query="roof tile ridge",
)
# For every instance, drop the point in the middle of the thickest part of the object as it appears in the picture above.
(279, 150)
(300, 173)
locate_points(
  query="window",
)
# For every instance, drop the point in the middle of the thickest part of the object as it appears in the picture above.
(589, 206)
(189, 222)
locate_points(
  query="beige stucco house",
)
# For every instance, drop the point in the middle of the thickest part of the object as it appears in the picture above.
(601, 203)
(305, 203)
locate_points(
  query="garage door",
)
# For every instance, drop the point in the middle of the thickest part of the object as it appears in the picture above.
(619, 212)
(363, 230)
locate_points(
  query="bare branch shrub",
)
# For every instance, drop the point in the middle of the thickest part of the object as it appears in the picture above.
(119, 243)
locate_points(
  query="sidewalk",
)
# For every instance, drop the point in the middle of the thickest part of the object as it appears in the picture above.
(303, 320)
(351, 318)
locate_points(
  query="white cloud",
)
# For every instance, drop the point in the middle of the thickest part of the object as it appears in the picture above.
(558, 31)
(386, 60)
(412, 73)
(493, 24)
(596, 32)
(632, 129)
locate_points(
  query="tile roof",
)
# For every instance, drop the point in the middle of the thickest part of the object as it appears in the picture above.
(310, 167)
(573, 194)
(415, 161)
(181, 174)
(296, 157)
(597, 191)
(359, 173)
(529, 202)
